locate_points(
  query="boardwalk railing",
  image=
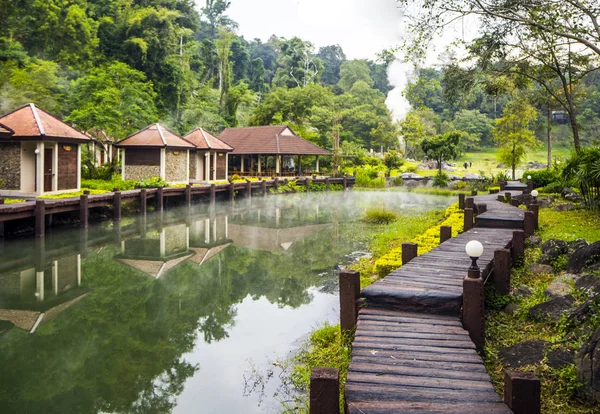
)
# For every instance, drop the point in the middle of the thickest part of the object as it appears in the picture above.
(40, 209)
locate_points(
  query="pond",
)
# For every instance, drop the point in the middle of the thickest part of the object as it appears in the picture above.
(175, 312)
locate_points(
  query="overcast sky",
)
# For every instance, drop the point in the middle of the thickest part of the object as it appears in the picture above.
(362, 27)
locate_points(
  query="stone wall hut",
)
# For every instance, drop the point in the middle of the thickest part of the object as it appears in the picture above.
(269, 150)
(156, 152)
(209, 161)
(40, 154)
(102, 150)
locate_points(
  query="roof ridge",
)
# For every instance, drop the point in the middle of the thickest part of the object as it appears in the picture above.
(36, 116)
(161, 134)
(208, 143)
(9, 129)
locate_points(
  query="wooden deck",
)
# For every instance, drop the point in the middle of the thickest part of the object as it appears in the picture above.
(410, 352)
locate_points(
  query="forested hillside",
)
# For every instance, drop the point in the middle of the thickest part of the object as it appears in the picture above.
(118, 65)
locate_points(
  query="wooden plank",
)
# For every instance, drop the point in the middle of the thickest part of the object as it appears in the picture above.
(401, 342)
(470, 361)
(411, 327)
(381, 392)
(401, 407)
(462, 385)
(361, 367)
(402, 335)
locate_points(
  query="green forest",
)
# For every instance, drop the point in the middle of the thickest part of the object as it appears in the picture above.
(119, 65)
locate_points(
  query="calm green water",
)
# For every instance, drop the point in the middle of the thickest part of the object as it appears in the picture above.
(174, 313)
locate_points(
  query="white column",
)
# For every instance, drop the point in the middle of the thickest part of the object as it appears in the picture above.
(278, 164)
(242, 166)
(123, 165)
(226, 227)
(187, 238)
(317, 166)
(39, 179)
(207, 231)
(214, 177)
(226, 155)
(187, 175)
(207, 166)
(163, 244)
(55, 277)
(78, 167)
(163, 164)
(259, 163)
(78, 270)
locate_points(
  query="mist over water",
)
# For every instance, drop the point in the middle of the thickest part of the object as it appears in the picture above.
(175, 313)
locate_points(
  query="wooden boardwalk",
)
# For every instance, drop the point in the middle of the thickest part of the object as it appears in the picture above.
(410, 352)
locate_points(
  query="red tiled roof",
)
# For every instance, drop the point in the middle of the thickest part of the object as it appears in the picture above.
(268, 140)
(155, 135)
(29, 121)
(206, 141)
(5, 131)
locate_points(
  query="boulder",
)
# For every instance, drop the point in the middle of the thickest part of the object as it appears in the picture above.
(576, 245)
(533, 352)
(545, 202)
(558, 358)
(413, 183)
(588, 282)
(587, 363)
(501, 165)
(410, 176)
(585, 257)
(534, 241)
(565, 207)
(561, 286)
(555, 244)
(526, 199)
(570, 195)
(538, 269)
(553, 309)
(471, 176)
(511, 308)
(523, 292)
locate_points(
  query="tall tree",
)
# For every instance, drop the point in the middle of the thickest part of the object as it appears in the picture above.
(442, 147)
(214, 11)
(353, 71)
(332, 57)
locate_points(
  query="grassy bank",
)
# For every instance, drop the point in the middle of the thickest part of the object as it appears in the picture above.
(504, 328)
(327, 347)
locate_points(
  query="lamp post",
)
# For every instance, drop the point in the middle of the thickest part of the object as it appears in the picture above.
(535, 194)
(474, 250)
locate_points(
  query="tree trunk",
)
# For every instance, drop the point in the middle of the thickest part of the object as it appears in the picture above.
(440, 166)
(549, 135)
(575, 129)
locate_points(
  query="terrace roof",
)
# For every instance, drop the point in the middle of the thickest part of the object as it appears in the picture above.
(155, 135)
(206, 141)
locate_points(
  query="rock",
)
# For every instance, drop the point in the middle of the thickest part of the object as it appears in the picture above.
(537, 269)
(570, 195)
(587, 363)
(410, 176)
(526, 199)
(449, 169)
(413, 183)
(511, 308)
(565, 207)
(576, 245)
(534, 240)
(553, 309)
(558, 358)
(586, 257)
(471, 176)
(526, 353)
(545, 202)
(555, 244)
(523, 291)
(558, 289)
(588, 282)
(501, 165)
(580, 312)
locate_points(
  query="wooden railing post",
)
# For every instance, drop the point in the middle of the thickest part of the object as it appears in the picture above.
(160, 205)
(349, 294)
(522, 392)
(529, 223)
(473, 307)
(117, 205)
(276, 184)
(473, 193)
(502, 271)
(502, 185)
(461, 201)
(143, 202)
(409, 252)
(468, 219)
(470, 203)
(445, 233)
(1, 200)
(213, 195)
(248, 189)
(83, 211)
(514, 202)
(508, 197)
(518, 245)
(40, 218)
(501, 198)
(325, 391)
(327, 184)
(535, 209)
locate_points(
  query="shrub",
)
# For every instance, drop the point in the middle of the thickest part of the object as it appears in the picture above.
(109, 185)
(236, 177)
(542, 178)
(154, 182)
(460, 185)
(555, 187)
(398, 181)
(379, 216)
(440, 180)
(502, 176)
(369, 178)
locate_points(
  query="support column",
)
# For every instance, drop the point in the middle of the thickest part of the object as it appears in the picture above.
(207, 166)
(40, 218)
(317, 165)
(445, 233)
(278, 164)
(55, 168)
(473, 307)
(214, 175)
(502, 271)
(349, 294)
(163, 164)
(242, 163)
(143, 201)
(259, 164)
(83, 211)
(159, 199)
(324, 391)
(188, 196)
(213, 195)
(522, 392)
(79, 168)
(39, 169)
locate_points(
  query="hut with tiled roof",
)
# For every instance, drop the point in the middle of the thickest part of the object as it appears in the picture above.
(38, 153)
(269, 150)
(156, 152)
(102, 149)
(209, 161)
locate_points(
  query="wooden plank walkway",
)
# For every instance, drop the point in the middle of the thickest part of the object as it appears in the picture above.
(410, 352)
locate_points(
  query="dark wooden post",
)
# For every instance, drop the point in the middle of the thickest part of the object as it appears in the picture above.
(1, 200)
(143, 202)
(529, 223)
(522, 392)
(188, 196)
(468, 219)
(248, 189)
(481, 208)
(213, 195)
(508, 197)
(276, 184)
(40, 218)
(445, 233)
(349, 294)
(83, 211)
(86, 192)
(263, 188)
(514, 202)
(473, 193)
(461, 201)
(473, 307)
(325, 391)
(160, 205)
(518, 245)
(231, 191)
(117, 205)
(345, 183)
(501, 198)
(502, 271)
(470, 203)
(502, 185)
(529, 186)
(327, 184)
(535, 209)
(409, 252)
